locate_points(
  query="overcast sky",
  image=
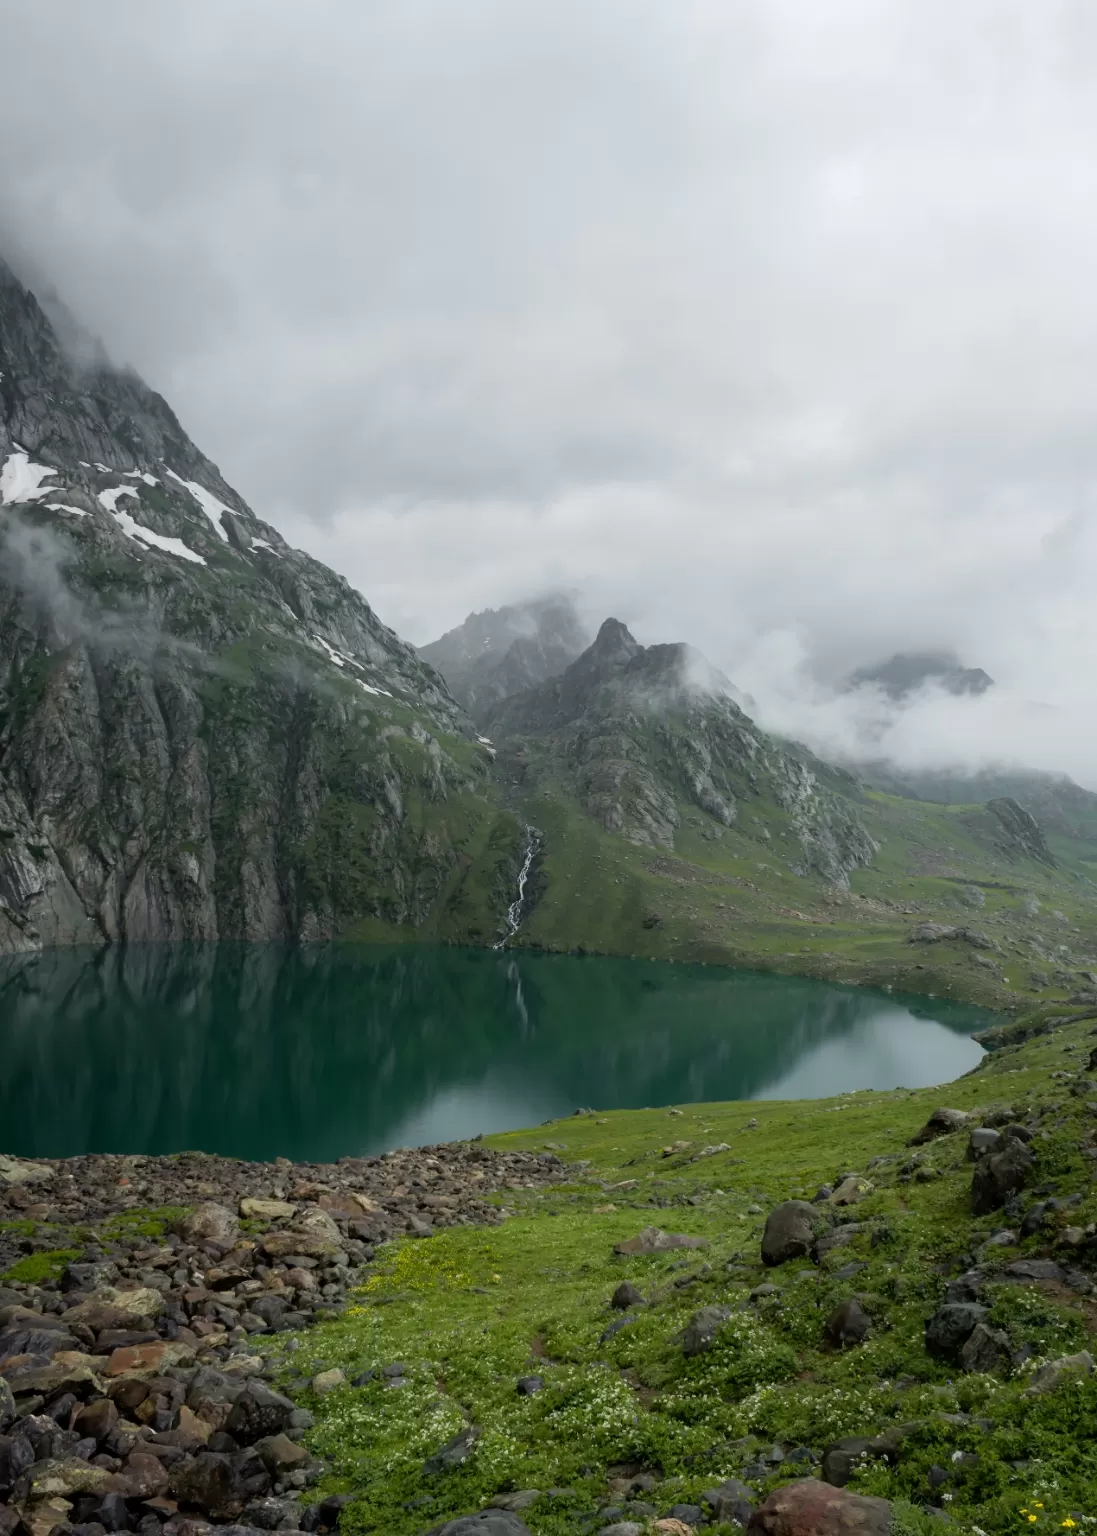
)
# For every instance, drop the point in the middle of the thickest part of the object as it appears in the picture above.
(771, 326)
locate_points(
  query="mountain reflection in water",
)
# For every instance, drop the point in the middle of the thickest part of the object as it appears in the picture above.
(314, 1053)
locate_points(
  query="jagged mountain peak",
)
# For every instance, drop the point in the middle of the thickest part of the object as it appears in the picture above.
(617, 675)
(500, 652)
(613, 644)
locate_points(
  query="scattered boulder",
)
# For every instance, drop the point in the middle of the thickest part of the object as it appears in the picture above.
(254, 1209)
(209, 1223)
(850, 1190)
(986, 1349)
(1052, 1375)
(731, 1504)
(453, 1454)
(653, 1240)
(789, 1232)
(327, 1381)
(257, 1412)
(1030, 1270)
(489, 1522)
(522, 1499)
(841, 1458)
(14, 1171)
(950, 1327)
(280, 1454)
(849, 1323)
(999, 1176)
(217, 1484)
(626, 1296)
(529, 1386)
(983, 1139)
(942, 1122)
(811, 1507)
(936, 933)
(700, 1332)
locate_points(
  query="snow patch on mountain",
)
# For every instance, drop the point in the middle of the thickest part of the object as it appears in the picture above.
(207, 501)
(110, 499)
(142, 535)
(21, 479)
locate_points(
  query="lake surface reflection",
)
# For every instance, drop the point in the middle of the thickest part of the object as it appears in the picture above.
(261, 1051)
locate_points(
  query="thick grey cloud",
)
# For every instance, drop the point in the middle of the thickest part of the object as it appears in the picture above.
(769, 323)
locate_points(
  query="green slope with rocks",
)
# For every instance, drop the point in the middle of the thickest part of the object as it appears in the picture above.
(920, 1328)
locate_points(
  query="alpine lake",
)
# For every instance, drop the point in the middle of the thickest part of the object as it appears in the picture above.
(315, 1053)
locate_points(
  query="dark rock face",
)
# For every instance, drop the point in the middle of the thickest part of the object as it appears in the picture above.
(815, 1508)
(903, 674)
(999, 1176)
(197, 730)
(1020, 833)
(789, 1232)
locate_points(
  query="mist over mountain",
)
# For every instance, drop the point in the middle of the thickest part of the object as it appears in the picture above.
(502, 651)
(900, 675)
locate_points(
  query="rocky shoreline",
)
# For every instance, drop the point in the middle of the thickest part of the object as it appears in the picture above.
(135, 1293)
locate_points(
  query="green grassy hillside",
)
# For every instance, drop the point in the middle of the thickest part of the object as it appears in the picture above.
(469, 1312)
(736, 900)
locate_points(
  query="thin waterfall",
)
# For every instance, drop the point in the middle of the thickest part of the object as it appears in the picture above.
(514, 911)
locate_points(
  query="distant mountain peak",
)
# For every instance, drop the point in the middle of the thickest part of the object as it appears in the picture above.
(613, 645)
(500, 652)
(905, 672)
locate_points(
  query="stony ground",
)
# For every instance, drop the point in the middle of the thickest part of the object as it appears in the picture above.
(874, 1313)
(133, 1293)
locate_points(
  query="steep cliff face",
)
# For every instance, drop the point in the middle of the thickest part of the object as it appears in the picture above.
(203, 732)
(638, 731)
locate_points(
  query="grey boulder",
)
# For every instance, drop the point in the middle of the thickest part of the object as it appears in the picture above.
(789, 1232)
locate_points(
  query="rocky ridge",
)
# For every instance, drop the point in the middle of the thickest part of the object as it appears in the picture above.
(638, 728)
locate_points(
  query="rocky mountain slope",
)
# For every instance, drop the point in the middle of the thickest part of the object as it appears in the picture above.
(207, 734)
(203, 732)
(636, 729)
(503, 651)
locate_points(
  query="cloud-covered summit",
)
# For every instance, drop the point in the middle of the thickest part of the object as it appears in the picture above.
(764, 323)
